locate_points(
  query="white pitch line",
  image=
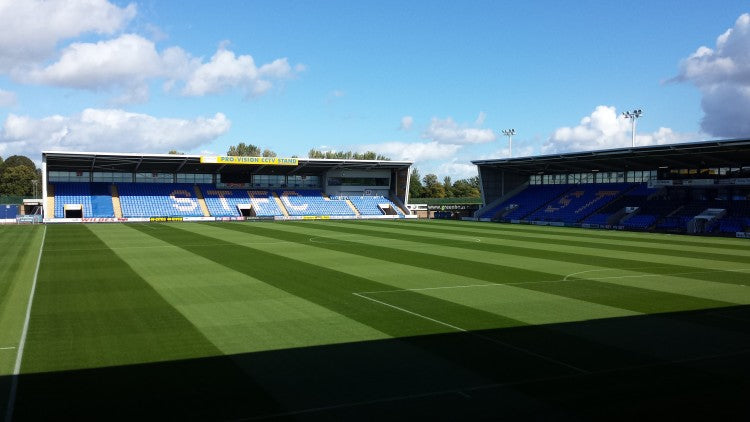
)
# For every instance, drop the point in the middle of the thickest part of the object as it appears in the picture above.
(611, 269)
(515, 283)
(8, 348)
(22, 342)
(410, 312)
(490, 339)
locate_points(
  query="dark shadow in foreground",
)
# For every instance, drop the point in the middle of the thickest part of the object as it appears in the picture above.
(678, 365)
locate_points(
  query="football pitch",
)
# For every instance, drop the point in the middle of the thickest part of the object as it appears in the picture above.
(370, 319)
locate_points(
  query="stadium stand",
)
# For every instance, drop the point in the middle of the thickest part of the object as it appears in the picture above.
(156, 199)
(526, 202)
(649, 213)
(180, 199)
(633, 197)
(227, 202)
(371, 205)
(312, 203)
(696, 188)
(94, 198)
(579, 202)
(737, 218)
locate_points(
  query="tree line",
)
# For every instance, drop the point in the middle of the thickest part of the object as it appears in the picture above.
(430, 186)
(347, 155)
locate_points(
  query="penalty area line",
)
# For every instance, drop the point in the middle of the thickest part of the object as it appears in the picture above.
(22, 342)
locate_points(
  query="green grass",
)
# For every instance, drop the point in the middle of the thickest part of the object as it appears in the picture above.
(344, 318)
(20, 250)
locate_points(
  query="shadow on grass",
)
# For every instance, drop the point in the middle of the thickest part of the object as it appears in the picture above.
(678, 365)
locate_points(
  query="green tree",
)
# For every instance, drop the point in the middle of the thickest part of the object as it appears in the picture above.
(432, 186)
(416, 190)
(347, 155)
(448, 186)
(268, 153)
(244, 150)
(17, 180)
(466, 188)
(18, 160)
(370, 155)
(175, 152)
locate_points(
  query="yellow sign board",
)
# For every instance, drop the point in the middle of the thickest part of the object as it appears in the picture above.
(258, 161)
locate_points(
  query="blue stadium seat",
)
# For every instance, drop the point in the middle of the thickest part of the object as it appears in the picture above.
(95, 199)
(526, 201)
(224, 202)
(579, 202)
(158, 200)
(312, 203)
(370, 205)
(635, 196)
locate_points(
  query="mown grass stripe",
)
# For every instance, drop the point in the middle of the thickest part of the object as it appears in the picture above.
(113, 315)
(662, 238)
(24, 333)
(491, 272)
(601, 260)
(333, 289)
(14, 244)
(64, 342)
(507, 300)
(631, 298)
(611, 351)
(568, 241)
(324, 286)
(236, 312)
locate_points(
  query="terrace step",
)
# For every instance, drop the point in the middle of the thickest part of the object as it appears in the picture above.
(356, 211)
(201, 201)
(280, 204)
(116, 201)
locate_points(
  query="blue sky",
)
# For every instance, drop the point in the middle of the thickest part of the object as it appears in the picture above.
(433, 82)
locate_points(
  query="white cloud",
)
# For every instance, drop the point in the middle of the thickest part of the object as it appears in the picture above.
(406, 123)
(518, 151)
(109, 130)
(126, 61)
(456, 170)
(225, 71)
(722, 74)
(7, 98)
(447, 131)
(605, 129)
(32, 28)
(129, 62)
(411, 151)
